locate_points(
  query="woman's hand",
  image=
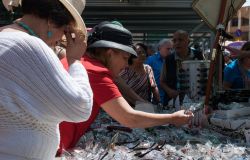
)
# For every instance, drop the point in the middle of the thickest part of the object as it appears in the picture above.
(181, 117)
(76, 44)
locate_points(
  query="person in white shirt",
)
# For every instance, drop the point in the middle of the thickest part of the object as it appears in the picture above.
(36, 93)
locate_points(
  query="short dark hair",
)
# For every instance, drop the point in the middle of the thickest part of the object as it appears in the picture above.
(52, 10)
(143, 46)
(130, 60)
(132, 57)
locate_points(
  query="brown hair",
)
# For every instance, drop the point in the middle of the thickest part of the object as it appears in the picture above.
(100, 54)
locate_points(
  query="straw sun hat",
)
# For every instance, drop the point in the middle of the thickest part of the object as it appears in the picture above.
(75, 7)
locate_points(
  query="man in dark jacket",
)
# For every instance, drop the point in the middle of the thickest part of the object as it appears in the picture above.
(172, 64)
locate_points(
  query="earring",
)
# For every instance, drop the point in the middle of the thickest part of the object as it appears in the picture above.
(49, 34)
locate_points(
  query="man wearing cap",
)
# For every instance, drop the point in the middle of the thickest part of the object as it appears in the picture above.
(109, 48)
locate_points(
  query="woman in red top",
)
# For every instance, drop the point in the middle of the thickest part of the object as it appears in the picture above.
(109, 48)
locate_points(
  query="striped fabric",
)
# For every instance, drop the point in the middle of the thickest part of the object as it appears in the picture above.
(139, 82)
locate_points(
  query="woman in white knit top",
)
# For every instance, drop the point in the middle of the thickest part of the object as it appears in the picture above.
(36, 93)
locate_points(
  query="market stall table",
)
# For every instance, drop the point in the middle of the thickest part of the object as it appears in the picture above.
(108, 140)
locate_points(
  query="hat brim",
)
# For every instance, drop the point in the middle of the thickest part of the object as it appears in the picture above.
(109, 44)
(79, 21)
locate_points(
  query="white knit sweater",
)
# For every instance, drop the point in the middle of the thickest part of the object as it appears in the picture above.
(36, 93)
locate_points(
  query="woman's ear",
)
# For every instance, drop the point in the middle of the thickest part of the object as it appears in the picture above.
(107, 57)
(49, 29)
(109, 52)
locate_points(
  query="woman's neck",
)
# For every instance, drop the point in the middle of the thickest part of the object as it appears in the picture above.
(184, 54)
(138, 67)
(243, 65)
(37, 25)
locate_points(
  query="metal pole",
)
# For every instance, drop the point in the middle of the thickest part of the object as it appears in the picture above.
(248, 24)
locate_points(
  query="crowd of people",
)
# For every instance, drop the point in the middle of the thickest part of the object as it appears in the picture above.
(44, 85)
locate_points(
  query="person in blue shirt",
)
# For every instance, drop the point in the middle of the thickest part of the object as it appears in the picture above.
(237, 73)
(156, 61)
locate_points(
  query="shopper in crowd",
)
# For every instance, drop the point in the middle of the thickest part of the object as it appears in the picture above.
(156, 61)
(172, 64)
(109, 48)
(140, 77)
(36, 91)
(144, 47)
(150, 50)
(237, 73)
(227, 57)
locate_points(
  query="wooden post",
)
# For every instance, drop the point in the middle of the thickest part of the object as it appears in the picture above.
(215, 55)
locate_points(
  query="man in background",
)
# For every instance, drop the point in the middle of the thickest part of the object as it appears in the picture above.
(156, 62)
(172, 65)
